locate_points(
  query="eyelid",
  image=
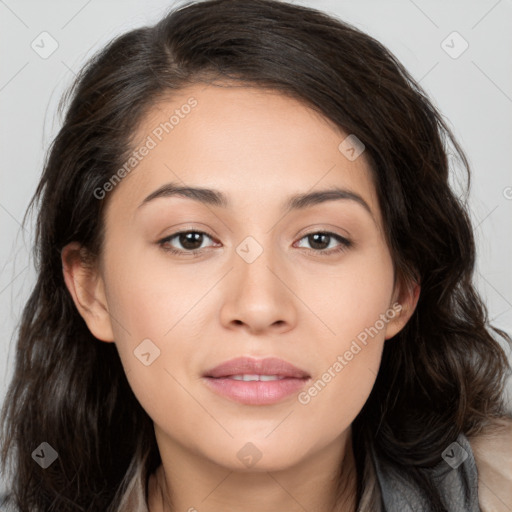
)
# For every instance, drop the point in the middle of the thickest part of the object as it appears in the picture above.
(345, 243)
(181, 231)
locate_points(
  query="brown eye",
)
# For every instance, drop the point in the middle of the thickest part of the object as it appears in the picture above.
(320, 241)
(190, 241)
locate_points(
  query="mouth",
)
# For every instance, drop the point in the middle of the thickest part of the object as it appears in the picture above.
(249, 366)
(256, 381)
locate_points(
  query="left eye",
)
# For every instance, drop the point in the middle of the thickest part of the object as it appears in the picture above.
(319, 239)
(192, 241)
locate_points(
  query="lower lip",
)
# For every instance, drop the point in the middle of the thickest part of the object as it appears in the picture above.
(255, 392)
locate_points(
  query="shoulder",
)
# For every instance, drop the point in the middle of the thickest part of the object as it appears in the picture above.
(492, 450)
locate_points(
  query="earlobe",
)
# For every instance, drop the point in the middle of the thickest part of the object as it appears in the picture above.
(407, 299)
(87, 291)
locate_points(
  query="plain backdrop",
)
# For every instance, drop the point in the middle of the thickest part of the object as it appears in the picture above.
(460, 51)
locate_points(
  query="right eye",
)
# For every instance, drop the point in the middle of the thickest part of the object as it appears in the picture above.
(191, 241)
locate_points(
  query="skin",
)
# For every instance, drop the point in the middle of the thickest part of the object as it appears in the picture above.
(258, 147)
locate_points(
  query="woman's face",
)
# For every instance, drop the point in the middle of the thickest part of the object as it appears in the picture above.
(262, 285)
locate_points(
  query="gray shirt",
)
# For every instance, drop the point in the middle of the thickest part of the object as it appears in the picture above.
(455, 478)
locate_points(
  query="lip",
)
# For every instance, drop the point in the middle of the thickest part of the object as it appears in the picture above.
(249, 365)
(292, 379)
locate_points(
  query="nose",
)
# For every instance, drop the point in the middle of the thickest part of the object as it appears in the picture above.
(258, 295)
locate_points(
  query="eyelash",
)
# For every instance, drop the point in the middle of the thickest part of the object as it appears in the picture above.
(344, 243)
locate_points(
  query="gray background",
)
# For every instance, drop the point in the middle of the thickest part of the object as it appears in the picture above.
(473, 91)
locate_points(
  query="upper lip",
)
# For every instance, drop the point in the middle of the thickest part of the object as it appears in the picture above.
(251, 366)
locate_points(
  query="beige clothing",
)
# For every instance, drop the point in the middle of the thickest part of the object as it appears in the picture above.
(493, 456)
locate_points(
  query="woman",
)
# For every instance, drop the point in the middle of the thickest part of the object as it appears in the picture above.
(184, 350)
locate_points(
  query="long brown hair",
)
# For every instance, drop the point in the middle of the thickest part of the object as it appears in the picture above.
(442, 375)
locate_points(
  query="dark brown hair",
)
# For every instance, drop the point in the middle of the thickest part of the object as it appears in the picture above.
(442, 375)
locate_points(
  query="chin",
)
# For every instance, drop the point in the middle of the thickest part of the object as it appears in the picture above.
(252, 457)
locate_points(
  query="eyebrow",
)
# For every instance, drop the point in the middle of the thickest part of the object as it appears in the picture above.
(216, 198)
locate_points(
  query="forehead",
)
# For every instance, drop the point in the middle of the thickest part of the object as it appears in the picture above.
(246, 141)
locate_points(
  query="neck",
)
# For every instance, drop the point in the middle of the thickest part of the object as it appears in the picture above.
(324, 482)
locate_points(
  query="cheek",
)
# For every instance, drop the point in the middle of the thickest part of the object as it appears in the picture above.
(348, 365)
(356, 306)
(351, 297)
(147, 294)
(155, 309)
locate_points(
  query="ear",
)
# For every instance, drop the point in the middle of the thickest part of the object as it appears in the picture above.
(405, 299)
(87, 290)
